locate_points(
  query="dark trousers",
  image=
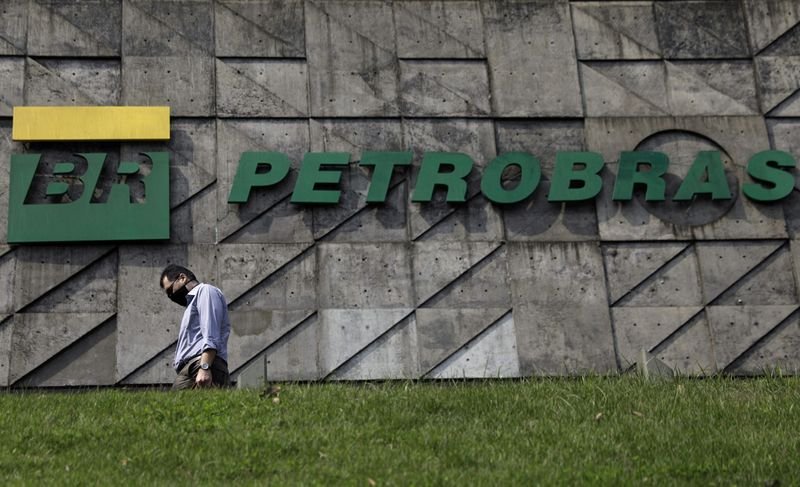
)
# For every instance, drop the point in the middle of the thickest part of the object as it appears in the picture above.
(188, 374)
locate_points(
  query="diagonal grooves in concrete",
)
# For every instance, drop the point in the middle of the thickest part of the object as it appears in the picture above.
(342, 23)
(168, 26)
(274, 342)
(71, 83)
(472, 340)
(699, 27)
(446, 215)
(358, 212)
(626, 89)
(703, 82)
(753, 271)
(454, 91)
(256, 25)
(301, 254)
(787, 33)
(256, 217)
(663, 266)
(274, 96)
(77, 273)
(483, 261)
(433, 25)
(113, 316)
(669, 338)
(10, 44)
(145, 363)
(194, 195)
(795, 96)
(98, 40)
(764, 338)
(617, 29)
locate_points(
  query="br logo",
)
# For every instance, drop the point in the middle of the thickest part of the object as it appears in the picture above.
(89, 197)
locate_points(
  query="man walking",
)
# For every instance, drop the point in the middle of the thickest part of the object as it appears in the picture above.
(201, 357)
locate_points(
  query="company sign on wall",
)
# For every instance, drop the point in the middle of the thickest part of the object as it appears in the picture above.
(57, 201)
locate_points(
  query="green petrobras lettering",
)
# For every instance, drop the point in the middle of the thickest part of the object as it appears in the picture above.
(312, 174)
(384, 164)
(706, 176)
(566, 174)
(766, 167)
(492, 181)
(629, 175)
(248, 175)
(431, 175)
(82, 219)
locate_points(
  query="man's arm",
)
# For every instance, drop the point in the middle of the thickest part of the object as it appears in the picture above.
(210, 314)
(204, 376)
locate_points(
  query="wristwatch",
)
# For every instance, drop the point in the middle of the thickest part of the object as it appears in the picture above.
(204, 366)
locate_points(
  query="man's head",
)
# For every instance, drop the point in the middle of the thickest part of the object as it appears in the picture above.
(174, 280)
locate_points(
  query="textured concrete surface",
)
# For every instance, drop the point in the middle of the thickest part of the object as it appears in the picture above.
(402, 290)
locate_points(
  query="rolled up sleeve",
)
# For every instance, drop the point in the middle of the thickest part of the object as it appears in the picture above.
(211, 309)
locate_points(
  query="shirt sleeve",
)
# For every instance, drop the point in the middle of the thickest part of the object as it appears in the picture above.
(211, 312)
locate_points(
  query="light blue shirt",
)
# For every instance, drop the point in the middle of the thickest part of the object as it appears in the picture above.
(205, 324)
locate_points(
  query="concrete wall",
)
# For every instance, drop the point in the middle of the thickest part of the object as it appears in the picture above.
(404, 290)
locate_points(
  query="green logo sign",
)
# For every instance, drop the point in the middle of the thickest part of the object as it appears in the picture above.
(67, 202)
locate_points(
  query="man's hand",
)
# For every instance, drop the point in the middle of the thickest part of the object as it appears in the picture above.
(203, 378)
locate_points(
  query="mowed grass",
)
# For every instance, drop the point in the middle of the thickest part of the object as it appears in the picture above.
(607, 431)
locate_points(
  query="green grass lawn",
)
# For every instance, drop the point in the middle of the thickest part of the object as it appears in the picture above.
(605, 431)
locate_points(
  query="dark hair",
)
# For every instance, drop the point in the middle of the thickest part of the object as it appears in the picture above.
(172, 272)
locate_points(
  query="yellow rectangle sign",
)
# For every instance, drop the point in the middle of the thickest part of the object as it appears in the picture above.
(90, 123)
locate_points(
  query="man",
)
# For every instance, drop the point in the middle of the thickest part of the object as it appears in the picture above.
(201, 357)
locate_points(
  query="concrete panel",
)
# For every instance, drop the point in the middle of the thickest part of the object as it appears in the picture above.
(294, 357)
(157, 28)
(41, 269)
(476, 220)
(158, 370)
(148, 322)
(444, 89)
(778, 78)
(271, 28)
(7, 147)
(531, 53)
(351, 58)
(13, 27)
(568, 275)
(357, 136)
(261, 88)
(443, 332)
(770, 283)
(538, 220)
(542, 138)
(290, 287)
(646, 328)
(681, 139)
(564, 340)
(736, 329)
(769, 19)
(37, 337)
(7, 266)
(252, 332)
(364, 276)
(392, 356)
(194, 220)
(615, 30)
(713, 88)
(92, 289)
(724, 265)
(346, 332)
(483, 285)
(689, 351)
(74, 28)
(186, 84)
(709, 29)
(6, 329)
(652, 274)
(778, 352)
(284, 222)
(244, 265)
(12, 80)
(235, 137)
(437, 264)
(630, 88)
(72, 82)
(87, 362)
(439, 29)
(492, 354)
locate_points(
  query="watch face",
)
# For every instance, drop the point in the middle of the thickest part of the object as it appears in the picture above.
(204, 366)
